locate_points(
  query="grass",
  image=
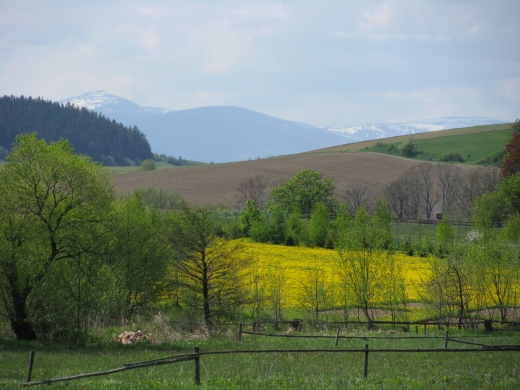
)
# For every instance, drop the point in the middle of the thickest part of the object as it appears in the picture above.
(493, 370)
(473, 147)
(121, 169)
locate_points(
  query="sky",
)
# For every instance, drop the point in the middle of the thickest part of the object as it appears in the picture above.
(324, 63)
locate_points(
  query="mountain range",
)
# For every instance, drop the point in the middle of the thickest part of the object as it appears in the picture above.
(226, 133)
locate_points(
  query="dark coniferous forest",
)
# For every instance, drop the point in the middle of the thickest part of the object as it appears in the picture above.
(90, 133)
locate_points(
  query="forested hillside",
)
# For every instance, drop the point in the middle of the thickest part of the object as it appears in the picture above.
(89, 132)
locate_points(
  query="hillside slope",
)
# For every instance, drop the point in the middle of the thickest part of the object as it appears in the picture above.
(213, 185)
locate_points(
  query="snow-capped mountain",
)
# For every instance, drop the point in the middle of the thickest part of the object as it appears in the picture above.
(225, 134)
(370, 132)
(210, 134)
(112, 105)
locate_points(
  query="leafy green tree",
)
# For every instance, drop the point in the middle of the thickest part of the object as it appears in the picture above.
(511, 230)
(314, 294)
(449, 287)
(445, 235)
(509, 188)
(295, 228)
(361, 264)
(251, 213)
(259, 231)
(277, 226)
(319, 225)
(137, 258)
(211, 270)
(51, 201)
(409, 147)
(488, 210)
(304, 191)
(498, 270)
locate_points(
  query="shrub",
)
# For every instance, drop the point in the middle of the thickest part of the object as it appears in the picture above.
(453, 157)
(148, 165)
(108, 161)
(128, 162)
(409, 147)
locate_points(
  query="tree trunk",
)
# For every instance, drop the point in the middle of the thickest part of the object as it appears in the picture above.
(205, 294)
(23, 329)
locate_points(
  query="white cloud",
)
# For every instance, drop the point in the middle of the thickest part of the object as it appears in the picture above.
(315, 62)
(378, 18)
(509, 89)
(261, 11)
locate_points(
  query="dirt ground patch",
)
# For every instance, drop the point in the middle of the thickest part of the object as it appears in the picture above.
(216, 184)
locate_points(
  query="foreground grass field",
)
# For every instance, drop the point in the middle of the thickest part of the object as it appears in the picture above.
(294, 370)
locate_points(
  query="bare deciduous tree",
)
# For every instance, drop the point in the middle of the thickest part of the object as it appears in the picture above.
(403, 197)
(475, 183)
(449, 177)
(252, 189)
(355, 197)
(397, 198)
(428, 193)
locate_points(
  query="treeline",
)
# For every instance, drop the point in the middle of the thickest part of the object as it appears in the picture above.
(90, 133)
(301, 211)
(179, 162)
(72, 255)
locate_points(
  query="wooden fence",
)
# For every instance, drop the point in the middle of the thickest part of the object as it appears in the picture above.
(196, 355)
(297, 324)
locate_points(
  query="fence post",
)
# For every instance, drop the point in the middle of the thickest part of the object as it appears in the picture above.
(366, 362)
(416, 329)
(197, 366)
(240, 332)
(446, 339)
(29, 371)
(337, 338)
(424, 328)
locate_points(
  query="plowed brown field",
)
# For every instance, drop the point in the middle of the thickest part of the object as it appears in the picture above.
(213, 185)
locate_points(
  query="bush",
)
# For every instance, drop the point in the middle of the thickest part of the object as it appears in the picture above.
(148, 165)
(453, 157)
(128, 162)
(409, 147)
(108, 161)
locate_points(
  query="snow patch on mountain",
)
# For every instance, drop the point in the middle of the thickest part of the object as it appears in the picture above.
(378, 131)
(224, 134)
(106, 104)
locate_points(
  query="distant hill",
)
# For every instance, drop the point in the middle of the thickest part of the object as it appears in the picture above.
(226, 134)
(211, 134)
(89, 132)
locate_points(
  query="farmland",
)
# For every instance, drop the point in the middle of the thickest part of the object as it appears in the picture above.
(216, 184)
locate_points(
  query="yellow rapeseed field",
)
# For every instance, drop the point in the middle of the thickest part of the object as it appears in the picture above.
(300, 266)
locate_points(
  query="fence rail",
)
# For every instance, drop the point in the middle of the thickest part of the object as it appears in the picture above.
(196, 355)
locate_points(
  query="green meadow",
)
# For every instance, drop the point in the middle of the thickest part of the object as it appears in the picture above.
(284, 370)
(473, 147)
